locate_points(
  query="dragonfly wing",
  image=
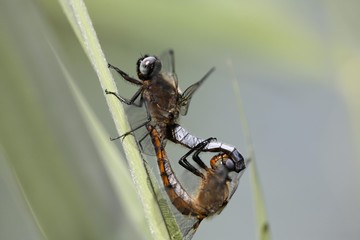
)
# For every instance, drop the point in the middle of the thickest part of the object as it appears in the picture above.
(138, 116)
(236, 179)
(167, 59)
(188, 93)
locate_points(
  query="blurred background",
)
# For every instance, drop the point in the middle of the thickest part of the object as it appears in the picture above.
(298, 67)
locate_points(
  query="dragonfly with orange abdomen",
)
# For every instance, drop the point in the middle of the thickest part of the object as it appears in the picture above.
(217, 183)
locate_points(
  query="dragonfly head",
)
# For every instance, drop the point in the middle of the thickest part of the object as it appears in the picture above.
(148, 67)
(236, 161)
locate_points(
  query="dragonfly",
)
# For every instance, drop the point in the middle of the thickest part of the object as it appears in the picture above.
(165, 102)
(214, 190)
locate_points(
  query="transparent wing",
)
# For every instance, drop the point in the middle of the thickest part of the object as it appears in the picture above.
(188, 93)
(137, 116)
(167, 59)
(235, 179)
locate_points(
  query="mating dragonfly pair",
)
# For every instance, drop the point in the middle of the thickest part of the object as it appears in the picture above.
(164, 103)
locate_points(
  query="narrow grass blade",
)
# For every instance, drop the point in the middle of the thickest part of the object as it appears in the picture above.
(81, 23)
(263, 230)
(112, 160)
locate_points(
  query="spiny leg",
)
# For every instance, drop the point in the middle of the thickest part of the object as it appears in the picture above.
(200, 148)
(185, 163)
(130, 101)
(148, 120)
(132, 130)
(125, 75)
(129, 79)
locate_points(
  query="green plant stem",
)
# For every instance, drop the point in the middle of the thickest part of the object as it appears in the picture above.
(81, 23)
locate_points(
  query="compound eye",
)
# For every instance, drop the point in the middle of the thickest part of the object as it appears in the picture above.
(229, 163)
(148, 67)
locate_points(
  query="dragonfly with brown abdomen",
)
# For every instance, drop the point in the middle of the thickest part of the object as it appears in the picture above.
(214, 191)
(164, 103)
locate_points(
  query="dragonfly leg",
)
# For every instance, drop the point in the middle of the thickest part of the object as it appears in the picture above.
(125, 75)
(127, 101)
(197, 149)
(147, 121)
